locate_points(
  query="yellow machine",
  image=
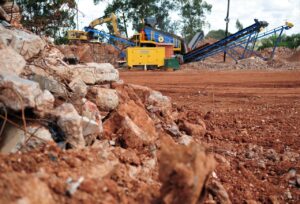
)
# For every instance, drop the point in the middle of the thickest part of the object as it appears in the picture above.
(113, 19)
(74, 35)
(78, 35)
(145, 56)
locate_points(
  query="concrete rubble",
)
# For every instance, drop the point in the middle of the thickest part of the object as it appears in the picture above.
(116, 130)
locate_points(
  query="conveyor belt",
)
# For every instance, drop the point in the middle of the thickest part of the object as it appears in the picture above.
(196, 54)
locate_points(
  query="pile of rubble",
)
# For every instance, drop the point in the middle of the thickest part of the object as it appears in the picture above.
(254, 63)
(91, 52)
(126, 143)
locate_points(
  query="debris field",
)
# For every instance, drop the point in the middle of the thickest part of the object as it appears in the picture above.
(75, 129)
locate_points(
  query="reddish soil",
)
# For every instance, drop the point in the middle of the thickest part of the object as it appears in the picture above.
(253, 121)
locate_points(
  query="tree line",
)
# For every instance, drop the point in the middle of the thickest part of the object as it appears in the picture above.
(55, 17)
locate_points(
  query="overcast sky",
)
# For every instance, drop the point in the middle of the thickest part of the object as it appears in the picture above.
(276, 12)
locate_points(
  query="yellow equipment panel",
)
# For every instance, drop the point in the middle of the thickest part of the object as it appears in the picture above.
(137, 56)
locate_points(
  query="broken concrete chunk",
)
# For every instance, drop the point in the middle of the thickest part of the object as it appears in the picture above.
(90, 127)
(78, 87)
(185, 140)
(106, 99)
(93, 73)
(11, 62)
(13, 138)
(17, 93)
(26, 44)
(71, 124)
(44, 103)
(132, 124)
(50, 84)
(91, 111)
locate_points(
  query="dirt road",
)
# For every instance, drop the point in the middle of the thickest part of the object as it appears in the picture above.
(253, 121)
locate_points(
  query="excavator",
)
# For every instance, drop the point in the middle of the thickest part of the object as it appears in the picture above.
(153, 48)
(82, 36)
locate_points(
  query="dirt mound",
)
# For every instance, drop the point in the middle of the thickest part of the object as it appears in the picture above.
(295, 57)
(78, 133)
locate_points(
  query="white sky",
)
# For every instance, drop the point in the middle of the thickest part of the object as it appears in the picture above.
(276, 12)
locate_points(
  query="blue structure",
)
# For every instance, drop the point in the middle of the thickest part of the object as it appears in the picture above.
(111, 39)
(244, 39)
(162, 37)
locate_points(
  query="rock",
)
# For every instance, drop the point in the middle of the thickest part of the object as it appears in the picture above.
(185, 140)
(158, 100)
(288, 195)
(93, 73)
(105, 99)
(71, 124)
(91, 111)
(11, 62)
(26, 44)
(17, 93)
(272, 155)
(73, 185)
(192, 129)
(50, 84)
(250, 154)
(13, 139)
(90, 127)
(183, 172)
(261, 164)
(173, 130)
(218, 191)
(132, 125)
(78, 87)
(154, 101)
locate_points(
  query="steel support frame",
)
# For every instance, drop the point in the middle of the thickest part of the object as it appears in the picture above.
(244, 43)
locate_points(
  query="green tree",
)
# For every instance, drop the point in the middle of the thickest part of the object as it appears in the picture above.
(216, 34)
(239, 25)
(193, 14)
(291, 42)
(134, 11)
(45, 17)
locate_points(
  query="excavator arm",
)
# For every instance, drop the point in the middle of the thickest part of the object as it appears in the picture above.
(112, 19)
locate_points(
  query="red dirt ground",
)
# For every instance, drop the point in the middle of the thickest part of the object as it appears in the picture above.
(253, 121)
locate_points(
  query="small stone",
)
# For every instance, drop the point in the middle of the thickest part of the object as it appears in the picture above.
(78, 87)
(261, 164)
(185, 140)
(288, 195)
(250, 155)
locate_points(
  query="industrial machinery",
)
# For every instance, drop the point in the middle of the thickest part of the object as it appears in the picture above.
(152, 48)
(77, 35)
(245, 40)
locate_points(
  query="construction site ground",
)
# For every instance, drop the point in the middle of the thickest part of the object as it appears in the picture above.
(253, 120)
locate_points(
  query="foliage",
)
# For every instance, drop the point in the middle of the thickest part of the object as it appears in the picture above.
(47, 17)
(192, 13)
(193, 16)
(291, 42)
(239, 26)
(216, 34)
